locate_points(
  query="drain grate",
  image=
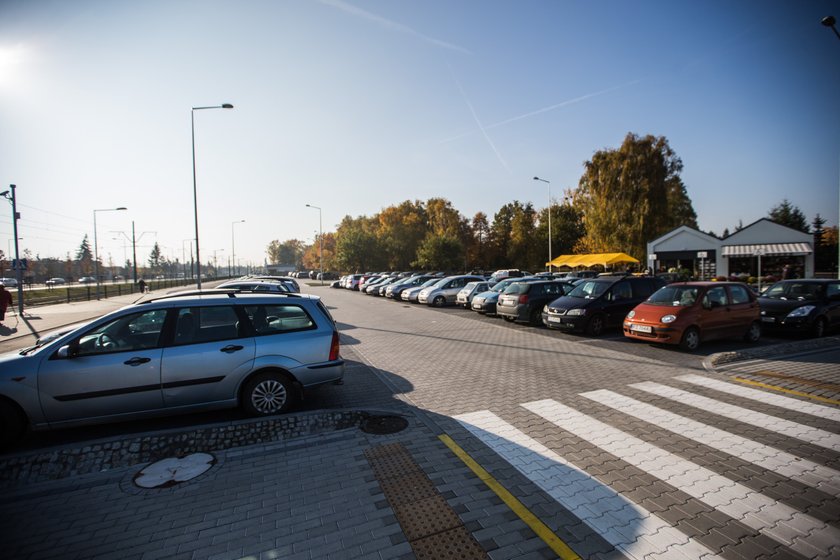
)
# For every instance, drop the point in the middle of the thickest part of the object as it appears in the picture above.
(383, 425)
(432, 528)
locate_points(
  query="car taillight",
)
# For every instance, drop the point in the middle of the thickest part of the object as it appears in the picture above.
(523, 298)
(334, 347)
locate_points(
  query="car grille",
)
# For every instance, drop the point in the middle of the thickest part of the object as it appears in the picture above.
(557, 310)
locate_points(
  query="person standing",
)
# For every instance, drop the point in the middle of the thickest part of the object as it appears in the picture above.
(786, 272)
(142, 285)
(5, 301)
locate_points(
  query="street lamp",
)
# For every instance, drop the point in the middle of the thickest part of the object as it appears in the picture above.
(233, 240)
(96, 245)
(549, 218)
(320, 242)
(195, 192)
(18, 270)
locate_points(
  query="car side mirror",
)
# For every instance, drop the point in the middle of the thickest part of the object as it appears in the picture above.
(68, 351)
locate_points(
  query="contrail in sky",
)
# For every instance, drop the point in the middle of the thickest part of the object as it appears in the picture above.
(478, 123)
(392, 25)
(543, 110)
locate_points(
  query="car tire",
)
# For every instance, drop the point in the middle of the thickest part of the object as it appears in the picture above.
(535, 319)
(595, 326)
(508, 319)
(754, 334)
(439, 301)
(690, 339)
(12, 424)
(266, 394)
(818, 330)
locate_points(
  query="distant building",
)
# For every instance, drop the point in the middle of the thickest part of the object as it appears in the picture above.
(279, 269)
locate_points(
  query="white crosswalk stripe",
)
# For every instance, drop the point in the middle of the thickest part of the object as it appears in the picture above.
(627, 526)
(788, 428)
(786, 464)
(796, 405)
(802, 533)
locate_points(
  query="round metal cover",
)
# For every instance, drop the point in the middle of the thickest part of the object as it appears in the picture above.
(382, 425)
(173, 470)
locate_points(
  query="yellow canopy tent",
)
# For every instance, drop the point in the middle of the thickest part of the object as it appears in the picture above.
(603, 259)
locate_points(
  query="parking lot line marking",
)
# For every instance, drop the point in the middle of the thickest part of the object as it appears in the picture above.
(630, 528)
(773, 518)
(784, 390)
(795, 405)
(774, 460)
(560, 548)
(801, 432)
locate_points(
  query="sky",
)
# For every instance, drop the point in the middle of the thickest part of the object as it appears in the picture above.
(353, 106)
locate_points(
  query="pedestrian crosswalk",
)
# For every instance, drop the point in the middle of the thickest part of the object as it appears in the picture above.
(633, 529)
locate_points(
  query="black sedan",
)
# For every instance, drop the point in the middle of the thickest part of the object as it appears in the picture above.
(808, 306)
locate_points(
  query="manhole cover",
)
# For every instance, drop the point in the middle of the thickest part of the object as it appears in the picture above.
(382, 425)
(173, 470)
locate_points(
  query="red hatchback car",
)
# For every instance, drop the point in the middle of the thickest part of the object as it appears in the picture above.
(687, 313)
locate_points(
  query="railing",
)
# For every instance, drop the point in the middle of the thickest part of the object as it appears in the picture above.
(68, 294)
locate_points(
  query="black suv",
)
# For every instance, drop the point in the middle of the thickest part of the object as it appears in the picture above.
(524, 301)
(599, 303)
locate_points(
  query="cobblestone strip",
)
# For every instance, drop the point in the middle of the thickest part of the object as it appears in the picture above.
(802, 533)
(432, 527)
(627, 526)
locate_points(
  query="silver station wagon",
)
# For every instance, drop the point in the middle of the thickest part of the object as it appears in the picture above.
(179, 353)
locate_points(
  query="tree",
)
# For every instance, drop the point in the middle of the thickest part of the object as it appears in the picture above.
(401, 229)
(566, 230)
(84, 256)
(440, 252)
(356, 245)
(289, 252)
(155, 259)
(631, 195)
(477, 247)
(789, 215)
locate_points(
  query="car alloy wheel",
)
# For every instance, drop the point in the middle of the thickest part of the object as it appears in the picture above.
(818, 329)
(595, 326)
(754, 333)
(266, 394)
(439, 301)
(691, 339)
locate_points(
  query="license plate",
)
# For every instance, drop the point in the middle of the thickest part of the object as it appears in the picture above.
(769, 319)
(641, 328)
(554, 319)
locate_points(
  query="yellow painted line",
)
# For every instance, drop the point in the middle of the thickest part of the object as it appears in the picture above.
(783, 390)
(560, 548)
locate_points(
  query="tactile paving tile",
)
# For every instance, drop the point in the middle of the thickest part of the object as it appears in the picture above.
(454, 544)
(426, 517)
(407, 489)
(396, 465)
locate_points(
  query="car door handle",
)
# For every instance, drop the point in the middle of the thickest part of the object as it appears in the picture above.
(231, 348)
(137, 361)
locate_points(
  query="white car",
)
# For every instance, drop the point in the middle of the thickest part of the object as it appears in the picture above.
(465, 296)
(446, 290)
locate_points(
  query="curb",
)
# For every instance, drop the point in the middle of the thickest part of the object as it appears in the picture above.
(774, 351)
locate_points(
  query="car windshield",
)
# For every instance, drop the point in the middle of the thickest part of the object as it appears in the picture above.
(430, 282)
(501, 285)
(676, 296)
(517, 288)
(800, 291)
(589, 289)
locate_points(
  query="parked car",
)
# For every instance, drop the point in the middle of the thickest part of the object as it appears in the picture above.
(524, 301)
(254, 286)
(599, 303)
(465, 295)
(371, 287)
(55, 281)
(365, 279)
(809, 306)
(508, 273)
(583, 274)
(172, 354)
(485, 302)
(445, 290)
(689, 313)
(85, 280)
(411, 294)
(9, 282)
(352, 282)
(290, 282)
(396, 289)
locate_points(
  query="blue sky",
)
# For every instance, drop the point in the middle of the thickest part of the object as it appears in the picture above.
(357, 105)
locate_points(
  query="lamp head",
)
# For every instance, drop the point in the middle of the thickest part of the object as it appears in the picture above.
(5, 194)
(828, 21)
(536, 178)
(227, 106)
(121, 208)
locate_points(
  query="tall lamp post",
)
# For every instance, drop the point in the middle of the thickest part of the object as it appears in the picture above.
(18, 270)
(96, 245)
(320, 242)
(195, 191)
(233, 240)
(829, 21)
(547, 182)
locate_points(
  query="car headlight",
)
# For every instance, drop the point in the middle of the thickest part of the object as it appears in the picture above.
(576, 312)
(631, 314)
(801, 311)
(545, 309)
(668, 319)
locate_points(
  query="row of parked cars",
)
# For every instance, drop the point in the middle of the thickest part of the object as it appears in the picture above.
(644, 308)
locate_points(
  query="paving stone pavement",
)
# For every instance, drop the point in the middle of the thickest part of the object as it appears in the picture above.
(620, 456)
